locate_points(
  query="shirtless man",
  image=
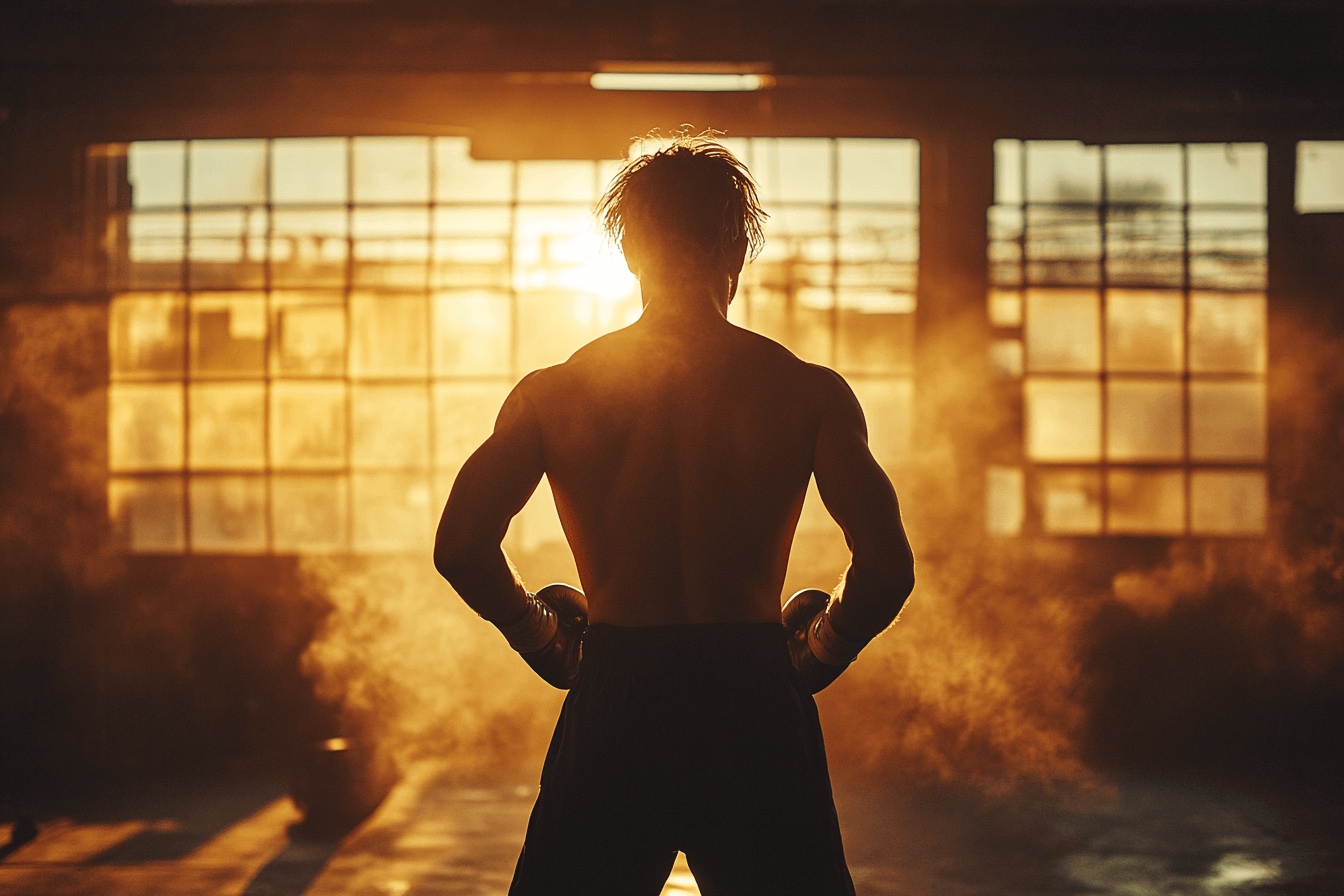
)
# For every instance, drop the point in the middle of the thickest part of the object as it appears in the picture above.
(679, 451)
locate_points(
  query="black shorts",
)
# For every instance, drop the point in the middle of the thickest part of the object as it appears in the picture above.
(698, 738)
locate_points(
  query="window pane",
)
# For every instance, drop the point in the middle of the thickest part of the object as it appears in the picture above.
(1148, 174)
(876, 332)
(798, 234)
(228, 172)
(1227, 249)
(458, 177)
(1063, 419)
(767, 307)
(547, 240)
(1005, 249)
(308, 429)
(147, 513)
(810, 336)
(471, 247)
(388, 335)
(156, 171)
(877, 239)
(472, 333)
(1320, 176)
(1143, 419)
(1145, 502)
(1069, 501)
(793, 169)
(156, 236)
(1227, 333)
(1005, 357)
(392, 512)
(471, 261)
(1228, 502)
(552, 325)
(309, 170)
(227, 248)
(228, 334)
(1144, 246)
(1144, 330)
(1005, 505)
(144, 426)
(464, 417)
(1063, 246)
(1063, 171)
(1227, 421)
(309, 248)
(888, 406)
(309, 334)
(1005, 307)
(1008, 172)
(156, 245)
(391, 169)
(145, 335)
(878, 170)
(472, 221)
(228, 514)
(1228, 173)
(1063, 330)
(391, 427)
(309, 513)
(557, 181)
(391, 246)
(227, 426)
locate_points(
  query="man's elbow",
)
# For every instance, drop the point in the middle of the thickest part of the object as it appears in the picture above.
(454, 556)
(898, 581)
(890, 571)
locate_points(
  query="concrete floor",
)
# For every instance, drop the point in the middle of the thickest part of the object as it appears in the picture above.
(431, 837)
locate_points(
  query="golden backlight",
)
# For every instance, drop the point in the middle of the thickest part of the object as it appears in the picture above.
(309, 336)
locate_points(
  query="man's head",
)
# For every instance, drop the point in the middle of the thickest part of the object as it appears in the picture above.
(689, 210)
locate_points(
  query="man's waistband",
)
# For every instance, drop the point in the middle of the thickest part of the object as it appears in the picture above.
(715, 643)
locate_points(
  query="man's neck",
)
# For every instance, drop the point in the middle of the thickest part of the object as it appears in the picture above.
(686, 302)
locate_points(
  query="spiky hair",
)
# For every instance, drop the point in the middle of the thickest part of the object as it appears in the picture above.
(693, 196)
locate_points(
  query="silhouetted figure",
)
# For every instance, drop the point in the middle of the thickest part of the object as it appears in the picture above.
(679, 451)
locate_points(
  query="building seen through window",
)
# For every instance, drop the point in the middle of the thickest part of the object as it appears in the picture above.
(1128, 301)
(309, 336)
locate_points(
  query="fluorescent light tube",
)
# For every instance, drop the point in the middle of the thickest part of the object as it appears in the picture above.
(717, 82)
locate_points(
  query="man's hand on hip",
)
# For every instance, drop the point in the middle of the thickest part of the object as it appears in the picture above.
(817, 651)
(549, 634)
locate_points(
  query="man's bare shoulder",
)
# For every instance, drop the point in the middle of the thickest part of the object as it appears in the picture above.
(830, 384)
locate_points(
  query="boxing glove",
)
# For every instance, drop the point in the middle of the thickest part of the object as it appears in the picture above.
(549, 635)
(818, 652)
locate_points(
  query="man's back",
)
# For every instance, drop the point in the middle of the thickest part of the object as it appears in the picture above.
(679, 451)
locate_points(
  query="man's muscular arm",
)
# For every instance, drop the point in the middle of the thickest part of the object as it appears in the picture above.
(492, 487)
(881, 573)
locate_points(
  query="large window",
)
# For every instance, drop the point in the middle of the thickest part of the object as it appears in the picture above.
(1128, 300)
(309, 336)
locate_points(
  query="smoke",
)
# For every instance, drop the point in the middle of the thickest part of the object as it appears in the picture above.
(414, 669)
(1225, 661)
(1074, 661)
(976, 683)
(1015, 662)
(113, 663)
(1229, 657)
